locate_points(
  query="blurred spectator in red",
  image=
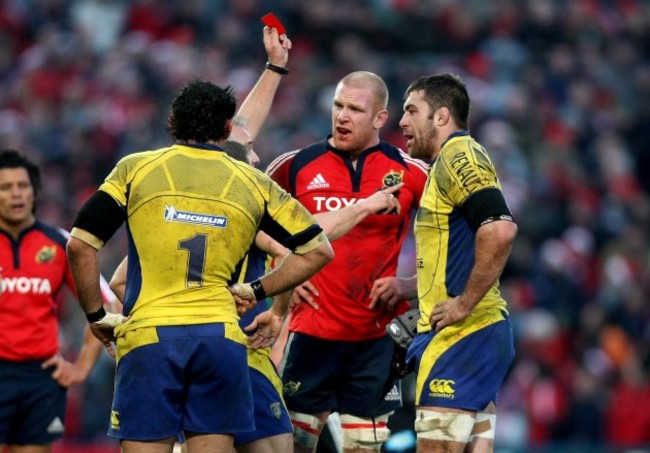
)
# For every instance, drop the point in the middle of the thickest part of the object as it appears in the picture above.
(627, 418)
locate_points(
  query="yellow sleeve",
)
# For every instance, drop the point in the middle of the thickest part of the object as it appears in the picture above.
(465, 170)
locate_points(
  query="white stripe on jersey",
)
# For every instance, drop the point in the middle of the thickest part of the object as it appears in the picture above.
(417, 162)
(278, 161)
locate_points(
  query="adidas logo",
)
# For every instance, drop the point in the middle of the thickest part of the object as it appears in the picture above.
(318, 183)
(394, 394)
(56, 426)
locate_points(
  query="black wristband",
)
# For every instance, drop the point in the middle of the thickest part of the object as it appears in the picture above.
(258, 290)
(275, 68)
(96, 316)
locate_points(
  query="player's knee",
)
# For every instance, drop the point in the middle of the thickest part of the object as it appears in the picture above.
(306, 429)
(365, 433)
(447, 426)
(484, 426)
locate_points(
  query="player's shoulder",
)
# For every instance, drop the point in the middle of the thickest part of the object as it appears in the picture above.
(147, 154)
(416, 164)
(52, 232)
(298, 156)
(249, 170)
(397, 154)
(280, 161)
(244, 170)
(461, 150)
(140, 158)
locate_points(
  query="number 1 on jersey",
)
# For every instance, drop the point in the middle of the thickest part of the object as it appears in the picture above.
(195, 246)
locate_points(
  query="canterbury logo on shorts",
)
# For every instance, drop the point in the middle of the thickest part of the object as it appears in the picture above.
(442, 388)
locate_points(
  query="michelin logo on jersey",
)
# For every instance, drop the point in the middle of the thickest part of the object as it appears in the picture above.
(195, 218)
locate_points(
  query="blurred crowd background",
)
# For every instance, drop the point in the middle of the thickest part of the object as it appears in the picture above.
(561, 101)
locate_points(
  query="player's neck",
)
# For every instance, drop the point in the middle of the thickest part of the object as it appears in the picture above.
(354, 154)
(218, 143)
(15, 228)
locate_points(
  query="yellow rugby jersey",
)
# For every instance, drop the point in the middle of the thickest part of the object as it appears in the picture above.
(443, 237)
(192, 214)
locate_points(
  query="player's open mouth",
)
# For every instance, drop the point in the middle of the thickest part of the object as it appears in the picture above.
(342, 132)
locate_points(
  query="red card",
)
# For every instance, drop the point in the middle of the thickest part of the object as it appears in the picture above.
(273, 22)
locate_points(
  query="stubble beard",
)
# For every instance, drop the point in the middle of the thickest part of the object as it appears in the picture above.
(424, 148)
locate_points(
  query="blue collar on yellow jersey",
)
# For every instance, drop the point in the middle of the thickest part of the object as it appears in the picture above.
(454, 135)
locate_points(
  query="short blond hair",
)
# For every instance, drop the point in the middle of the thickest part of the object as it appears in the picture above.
(367, 79)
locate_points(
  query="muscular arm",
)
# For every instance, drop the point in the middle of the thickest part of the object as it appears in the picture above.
(66, 373)
(84, 263)
(257, 105)
(337, 223)
(493, 244)
(293, 270)
(269, 245)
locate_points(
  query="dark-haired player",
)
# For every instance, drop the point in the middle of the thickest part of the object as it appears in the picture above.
(464, 232)
(33, 375)
(192, 213)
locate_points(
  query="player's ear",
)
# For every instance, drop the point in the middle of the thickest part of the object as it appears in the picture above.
(442, 116)
(380, 118)
(228, 129)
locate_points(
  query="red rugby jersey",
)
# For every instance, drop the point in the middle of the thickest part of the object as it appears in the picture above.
(34, 271)
(323, 179)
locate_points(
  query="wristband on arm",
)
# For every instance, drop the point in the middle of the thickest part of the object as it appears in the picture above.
(258, 290)
(275, 68)
(96, 315)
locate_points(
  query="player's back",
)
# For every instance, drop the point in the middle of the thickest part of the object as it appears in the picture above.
(192, 214)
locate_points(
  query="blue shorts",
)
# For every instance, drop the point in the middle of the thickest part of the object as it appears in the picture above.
(32, 404)
(271, 415)
(349, 377)
(189, 378)
(464, 365)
